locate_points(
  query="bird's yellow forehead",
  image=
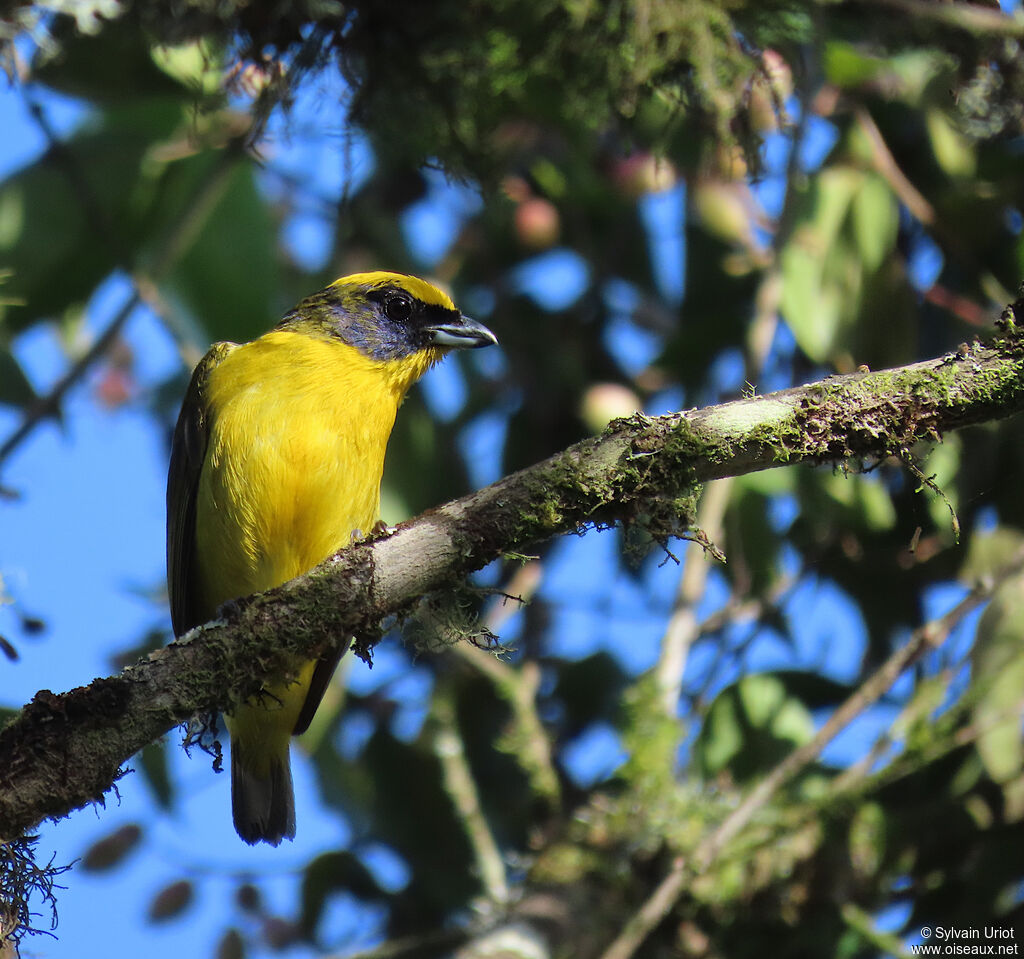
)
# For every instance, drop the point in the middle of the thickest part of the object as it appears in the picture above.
(421, 289)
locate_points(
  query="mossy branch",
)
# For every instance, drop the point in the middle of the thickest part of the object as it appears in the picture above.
(66, 750)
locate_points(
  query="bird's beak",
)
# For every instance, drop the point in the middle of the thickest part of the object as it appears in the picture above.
(462, 334)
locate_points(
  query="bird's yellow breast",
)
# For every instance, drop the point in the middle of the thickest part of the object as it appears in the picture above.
(298, 427)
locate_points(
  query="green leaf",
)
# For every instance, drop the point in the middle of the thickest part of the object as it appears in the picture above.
(171, 901)
(774, 482)
(874, 221)
(813, 313)
(750, 727)
(750, 535)
(864, 499)
(989, 552)
(953, 151)
(916, 720)
(15, 389)
(196, 66)
(819, 278)
(231, 945)
(111, 850)
(846, 66)
(846, 227)
(229, 278)
(867, 839)
(109, 66)
(998, 674)
(590, 690)
(154, 767)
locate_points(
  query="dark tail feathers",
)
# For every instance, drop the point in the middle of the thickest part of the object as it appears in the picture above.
(263, 807)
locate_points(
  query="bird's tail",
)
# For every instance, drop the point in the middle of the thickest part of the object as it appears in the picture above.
(262, 799)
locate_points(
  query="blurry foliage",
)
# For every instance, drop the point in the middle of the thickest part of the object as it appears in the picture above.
(571, 115)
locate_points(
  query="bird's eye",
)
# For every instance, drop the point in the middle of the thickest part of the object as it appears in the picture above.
(398, 307)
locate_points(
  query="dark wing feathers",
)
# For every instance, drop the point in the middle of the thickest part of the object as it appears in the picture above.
(188, 449)
(322, 674)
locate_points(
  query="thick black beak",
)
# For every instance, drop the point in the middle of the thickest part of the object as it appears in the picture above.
(462, 334)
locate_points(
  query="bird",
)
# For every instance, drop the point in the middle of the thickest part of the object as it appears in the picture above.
(276, 464)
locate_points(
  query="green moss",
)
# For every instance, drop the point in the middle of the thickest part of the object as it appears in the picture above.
(565, 863)
(685, 440)
(651, 738)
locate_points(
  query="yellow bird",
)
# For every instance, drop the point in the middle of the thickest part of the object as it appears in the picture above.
(276, 461)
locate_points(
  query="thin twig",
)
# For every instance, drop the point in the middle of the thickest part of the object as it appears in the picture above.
(49, 405)
(461, 787)
(518, 687)
(683, 629)
(885, 165)
(746, 608)
(970, 17)
(925, 638)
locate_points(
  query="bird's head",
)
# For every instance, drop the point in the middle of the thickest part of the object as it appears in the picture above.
(389, 317)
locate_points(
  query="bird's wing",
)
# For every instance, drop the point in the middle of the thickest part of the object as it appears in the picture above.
(188, 450)
(322, 673)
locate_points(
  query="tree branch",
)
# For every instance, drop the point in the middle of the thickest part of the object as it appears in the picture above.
(461, 788)
(970, 18)
(64, 751)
